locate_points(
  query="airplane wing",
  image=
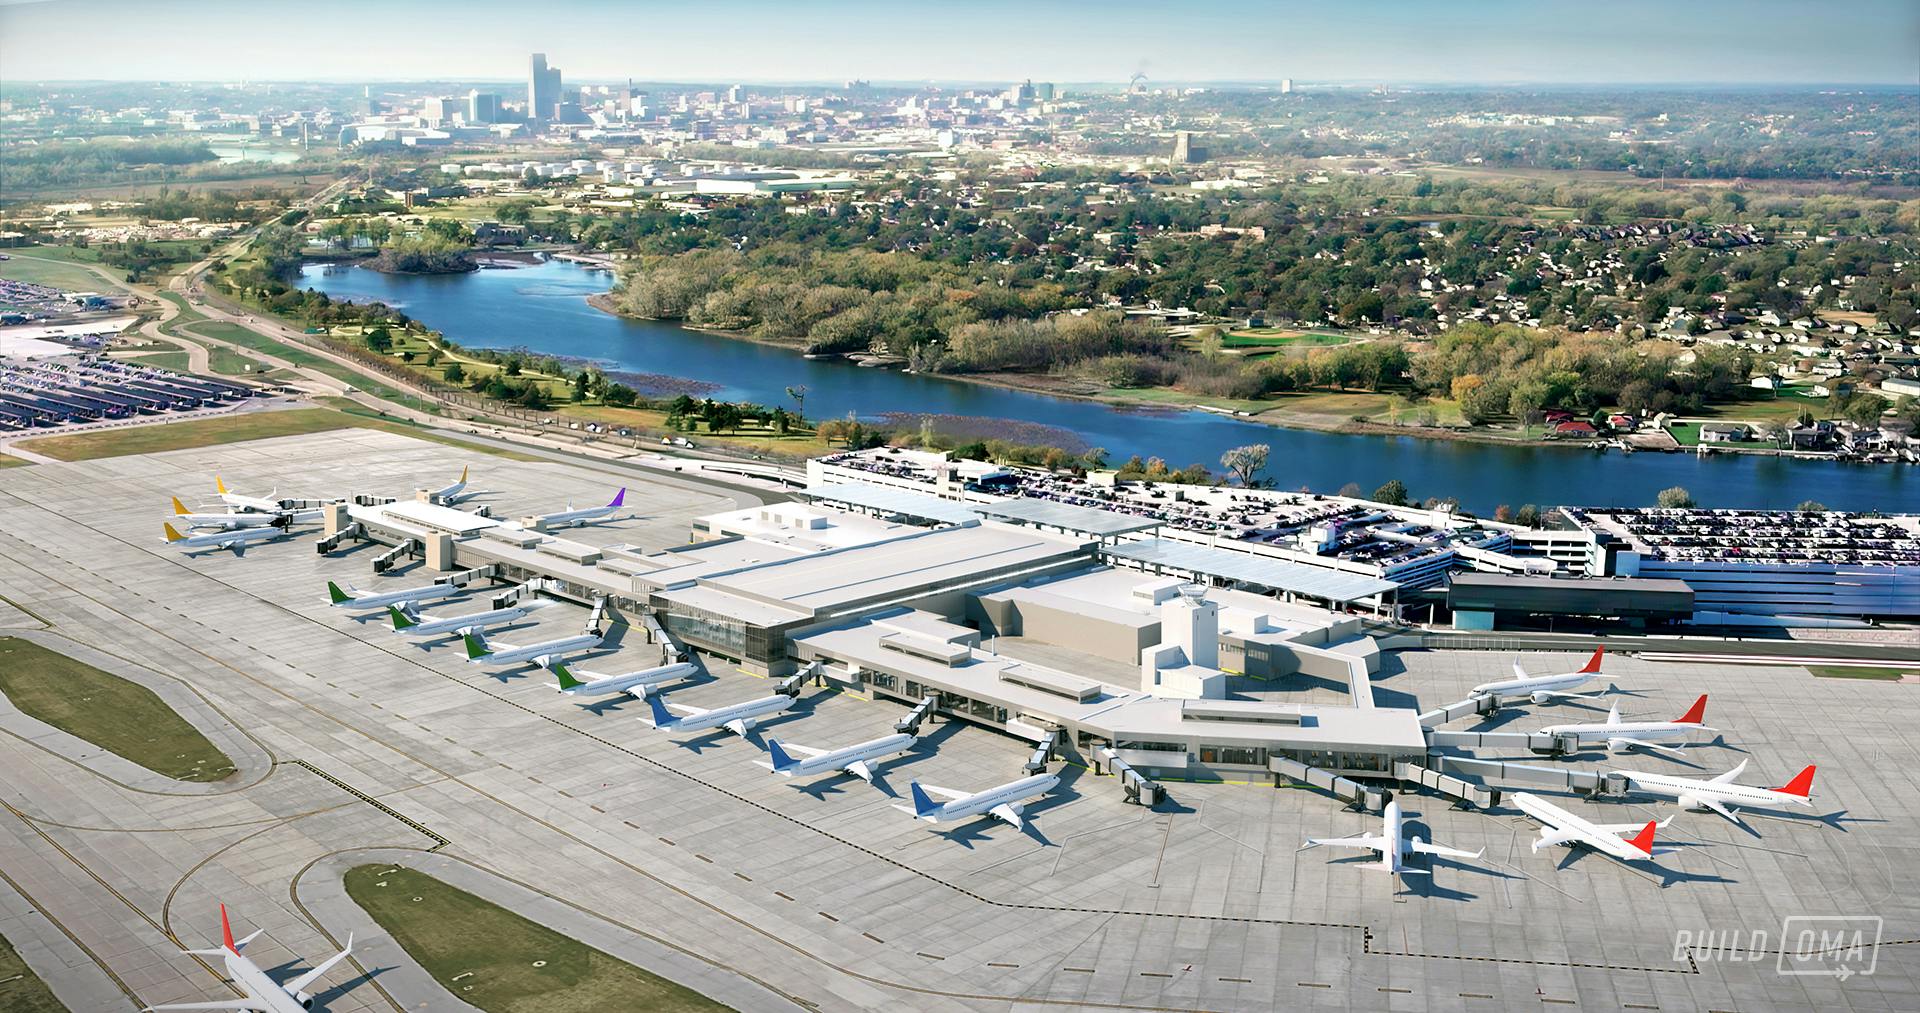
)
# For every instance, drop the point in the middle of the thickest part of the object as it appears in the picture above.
(1520, 673)
(680, 708)
(793, 750)
(737, 726)
(300, 984)
(1730, 775)
(1434, 849)
(1005, 812)
(1628, 828)
(1643, 744)
(1719, 808)
(859, 769)
(947, 793)
(1374, 841)
(235, 1004)
(1557, 836)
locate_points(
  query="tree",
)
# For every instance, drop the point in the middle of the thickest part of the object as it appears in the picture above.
(1864, 409)
(1527, 516)
(1811, 506)
(799, 395)
(380, 340)
(723, 417)
(1351, 490)
(1246, 462)
(1675, 498)
(1095, 458)
(455, 372)
(1394, 493)
(620, 395)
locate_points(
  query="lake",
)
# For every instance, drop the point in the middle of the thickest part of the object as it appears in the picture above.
(544, 308)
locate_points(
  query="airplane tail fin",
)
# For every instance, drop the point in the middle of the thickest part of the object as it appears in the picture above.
(1643, 841)
(662, 718)
(565, 678)
(922, 805)
(1697, 714)
(463, 475)
(781, 761)
(226, 931)
(337, 596)
(173, 535)
(219, 486)
(476, 645)
(179, 508)
(1593, 663)
(400, 620)
(1801, 785)
(619, 497)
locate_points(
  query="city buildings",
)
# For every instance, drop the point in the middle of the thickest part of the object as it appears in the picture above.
(543, 91)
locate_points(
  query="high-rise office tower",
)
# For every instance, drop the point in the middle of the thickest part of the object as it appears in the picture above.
(482, 107)
(543, 90)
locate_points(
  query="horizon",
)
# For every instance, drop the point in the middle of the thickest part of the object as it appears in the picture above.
(1499, 43)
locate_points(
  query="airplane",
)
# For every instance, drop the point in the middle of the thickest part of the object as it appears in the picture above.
(451, 494)
(631, 683)
(264, 504)
(852, 759)
(543, 654)
(263, 993)
(413, 624)
(1392, 846)
(738, 718)
(362, 601)
(578, 518)
(228, 521)
(1543, 688)
(1621, 736)
(237, 539)
(1562, 827)
(1004, 802)
(1722, 795)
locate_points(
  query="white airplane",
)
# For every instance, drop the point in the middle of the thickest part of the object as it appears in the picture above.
(263, 993)
(1559, 826)
(237, 539)
(543, 654)
(853, 759)
(631, 683)
(410, 622)
(451, 494)
(1005, 802)
(1392, 846)
(235, 519)
(738, 718)
(1543, 688)
(355, 600)
(269, 503)
(578, 518)
(1722, 795)
(1621, 736)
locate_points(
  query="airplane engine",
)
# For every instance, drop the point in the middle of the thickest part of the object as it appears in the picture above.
(1619, 745)
(305, 999)
(1542, 698)
(546, 660)
(1689, 802)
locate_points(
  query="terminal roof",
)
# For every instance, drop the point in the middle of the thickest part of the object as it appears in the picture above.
(1312, 581)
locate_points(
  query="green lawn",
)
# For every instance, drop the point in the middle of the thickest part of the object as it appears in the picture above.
(246, 338)
(1273, 337)
(10, 461)
(121, 717)
(57, 272)
(1862, 671)
(152, 439)
(497, 961)
(1687, 434)
(175, 360)
(22, 991)
(187, 315)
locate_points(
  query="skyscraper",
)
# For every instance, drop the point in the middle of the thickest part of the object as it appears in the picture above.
(482, 107)
(543, 90)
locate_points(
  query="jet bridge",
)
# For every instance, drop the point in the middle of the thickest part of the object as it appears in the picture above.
(910, 725)
(1537, 742)
(1138, 788)
(1451, 787)
(1455, 711)
(407, 547)
(355, 531)
(1341, 787)
(1583, 781)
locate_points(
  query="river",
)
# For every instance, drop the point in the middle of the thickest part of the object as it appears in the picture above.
(544, 308)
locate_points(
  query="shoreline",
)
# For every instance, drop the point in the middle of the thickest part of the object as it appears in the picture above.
(603, 301)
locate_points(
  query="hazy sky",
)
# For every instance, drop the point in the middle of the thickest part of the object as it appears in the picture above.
(1588, 41)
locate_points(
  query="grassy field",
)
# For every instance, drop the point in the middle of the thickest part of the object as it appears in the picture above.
(235, 334)
(187, 435)
(1180, 398)
(497, 961)
(57, 272)
(367, 419)
(121, 717)
(175, 360)
(1862, 672)
(22, 991)
(1277, 337)
(10, 461)
(1687, 434)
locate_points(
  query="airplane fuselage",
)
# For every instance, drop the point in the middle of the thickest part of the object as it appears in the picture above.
(1582, 831)
(372, 602)
(562, 645)
(1744, 796)
(1600, 732)
(629, 681)
(1534, 684)
(720, 716)
(454, 624)
(979, 803)
(258, 986)
(840, 759)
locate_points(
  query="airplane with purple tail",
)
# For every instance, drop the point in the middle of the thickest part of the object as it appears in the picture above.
(571, 517)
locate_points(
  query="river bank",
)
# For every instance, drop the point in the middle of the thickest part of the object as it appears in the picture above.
(547, 309)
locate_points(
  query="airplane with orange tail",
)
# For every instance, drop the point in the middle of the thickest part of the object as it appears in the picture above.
(263, 993)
